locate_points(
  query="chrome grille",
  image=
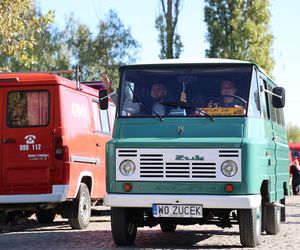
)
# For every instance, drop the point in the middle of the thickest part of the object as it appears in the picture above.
(166, 165)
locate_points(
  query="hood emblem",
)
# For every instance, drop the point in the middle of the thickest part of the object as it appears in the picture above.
(180, 130)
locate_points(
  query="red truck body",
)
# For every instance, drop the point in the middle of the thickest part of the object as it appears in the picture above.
(52, 150)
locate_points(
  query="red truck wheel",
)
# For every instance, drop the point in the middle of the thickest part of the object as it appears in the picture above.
(81, 213)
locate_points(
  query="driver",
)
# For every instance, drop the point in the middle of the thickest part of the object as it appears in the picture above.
(227, 100)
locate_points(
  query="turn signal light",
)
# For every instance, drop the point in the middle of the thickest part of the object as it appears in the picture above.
(229, 188)
(127, 187)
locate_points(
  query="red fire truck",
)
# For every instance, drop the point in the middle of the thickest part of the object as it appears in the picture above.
(52, 151)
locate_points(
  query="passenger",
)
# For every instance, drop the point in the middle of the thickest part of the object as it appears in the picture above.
(107, 83)
(158, 94)
(295, 176)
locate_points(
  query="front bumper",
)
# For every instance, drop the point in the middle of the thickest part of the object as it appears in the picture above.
(207, 201)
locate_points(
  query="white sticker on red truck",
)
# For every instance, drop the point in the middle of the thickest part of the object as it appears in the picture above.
(79, 111)
(38, 157)
(30, 144)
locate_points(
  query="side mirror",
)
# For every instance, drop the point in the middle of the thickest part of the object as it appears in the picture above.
(278, 97)
(103, 99)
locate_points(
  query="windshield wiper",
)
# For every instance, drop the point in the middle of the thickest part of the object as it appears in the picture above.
(183, 105)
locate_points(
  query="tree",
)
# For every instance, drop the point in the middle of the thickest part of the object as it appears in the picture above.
(239, 29)
(112, 47)
(50, 50)
(18, 24)
(170, 41)
(293, 133)
(33, 43)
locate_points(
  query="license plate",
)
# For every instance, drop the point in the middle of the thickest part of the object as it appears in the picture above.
(186, 211)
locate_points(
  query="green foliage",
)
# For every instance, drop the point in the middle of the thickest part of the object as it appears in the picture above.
(239, 29)
(112, 47)
(29, 41)
(169, 40)
(293, 133)
(18, 29)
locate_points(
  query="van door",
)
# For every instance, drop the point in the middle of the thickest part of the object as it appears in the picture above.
(269, 136)
(27, 141)
(281, 148)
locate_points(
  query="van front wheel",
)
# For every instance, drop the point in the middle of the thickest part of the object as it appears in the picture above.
(250, 226)
(122, 226)
(81, 208)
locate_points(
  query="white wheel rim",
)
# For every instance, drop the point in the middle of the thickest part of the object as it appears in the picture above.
(84, 204)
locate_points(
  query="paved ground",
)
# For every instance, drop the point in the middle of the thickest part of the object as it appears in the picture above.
(58, 235)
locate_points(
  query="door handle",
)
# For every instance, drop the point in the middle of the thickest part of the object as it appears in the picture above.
(8, 140)
(98, 144)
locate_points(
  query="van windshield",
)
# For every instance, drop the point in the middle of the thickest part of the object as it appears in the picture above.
(193, 90)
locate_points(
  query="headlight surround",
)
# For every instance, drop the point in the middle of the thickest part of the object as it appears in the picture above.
(229, 168)
(127, 168)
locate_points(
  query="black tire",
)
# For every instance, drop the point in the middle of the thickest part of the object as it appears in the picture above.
(283, 212)
(273, 218)
(81, 208)
(45, 215)
(168, 227)
(4, 218)
(122, 226)
(250, 226)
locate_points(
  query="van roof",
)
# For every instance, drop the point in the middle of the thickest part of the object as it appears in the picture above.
(40, 79)
(195, 61)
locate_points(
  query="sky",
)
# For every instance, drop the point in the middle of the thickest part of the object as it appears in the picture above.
(139, 16)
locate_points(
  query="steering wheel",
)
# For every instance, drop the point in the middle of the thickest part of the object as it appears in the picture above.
(236, 97)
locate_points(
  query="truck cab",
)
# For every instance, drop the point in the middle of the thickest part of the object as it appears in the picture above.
(197, 142)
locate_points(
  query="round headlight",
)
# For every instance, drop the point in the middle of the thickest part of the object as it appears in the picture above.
(127, 168)
(229, 168)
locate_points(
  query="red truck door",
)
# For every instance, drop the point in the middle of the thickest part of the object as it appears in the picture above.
(27, 140)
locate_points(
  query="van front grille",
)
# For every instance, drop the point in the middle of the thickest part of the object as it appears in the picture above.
(178, 164)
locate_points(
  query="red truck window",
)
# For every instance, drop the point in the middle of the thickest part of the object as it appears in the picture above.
(96, 113)
(105, 121)
(28, 108)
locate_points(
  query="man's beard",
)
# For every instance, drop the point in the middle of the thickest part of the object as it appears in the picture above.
(156, 99)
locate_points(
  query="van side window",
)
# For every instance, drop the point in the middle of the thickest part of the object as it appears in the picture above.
(96, 115)
(274, 113)
(254, 103)
(264, 99)
(277, 113)
(27, 108)
(105, 121)
(280, 116)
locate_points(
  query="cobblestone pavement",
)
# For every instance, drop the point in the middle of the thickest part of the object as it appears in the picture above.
(58, 235)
